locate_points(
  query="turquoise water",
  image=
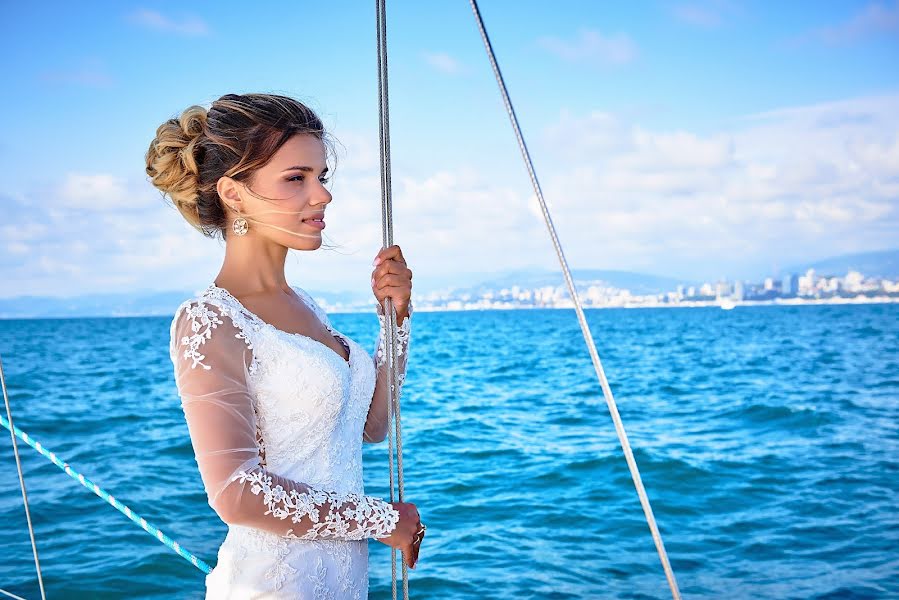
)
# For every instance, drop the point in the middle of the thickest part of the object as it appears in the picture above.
(766, 437)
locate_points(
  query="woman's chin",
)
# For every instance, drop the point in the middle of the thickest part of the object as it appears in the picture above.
(306, 244)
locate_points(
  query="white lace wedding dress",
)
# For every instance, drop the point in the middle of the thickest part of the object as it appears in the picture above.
(276, 421)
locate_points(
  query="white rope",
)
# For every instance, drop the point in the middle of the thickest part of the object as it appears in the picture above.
(591, 346)
(11, 595)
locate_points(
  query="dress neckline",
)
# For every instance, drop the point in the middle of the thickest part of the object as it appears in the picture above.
(346, 361)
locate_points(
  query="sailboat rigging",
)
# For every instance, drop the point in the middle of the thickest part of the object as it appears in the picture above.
(389, 310)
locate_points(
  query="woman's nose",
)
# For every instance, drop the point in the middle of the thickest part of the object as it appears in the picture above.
(325, 196)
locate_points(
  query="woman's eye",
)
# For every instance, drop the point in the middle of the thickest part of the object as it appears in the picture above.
(300, 177)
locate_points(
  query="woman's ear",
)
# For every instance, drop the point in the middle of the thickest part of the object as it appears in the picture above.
(227, 191)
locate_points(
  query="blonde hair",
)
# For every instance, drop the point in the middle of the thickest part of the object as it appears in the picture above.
(236, 136)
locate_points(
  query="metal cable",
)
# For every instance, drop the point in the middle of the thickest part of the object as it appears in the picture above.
(15, 448)
(389, 310)
(591, 346)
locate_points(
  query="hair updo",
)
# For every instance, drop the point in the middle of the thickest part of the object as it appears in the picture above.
(236, 136)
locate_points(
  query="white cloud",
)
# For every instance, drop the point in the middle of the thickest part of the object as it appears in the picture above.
(93, 192)
(443, 62)
(355, 152)
(186, 25)
(593, 47)
(824, 176)
(871, 20)
(99, 232)
(772, 188)
(706, 14)
(91, 72)
(680, 149)
(16, 247)
(23, 232)
(447, 223)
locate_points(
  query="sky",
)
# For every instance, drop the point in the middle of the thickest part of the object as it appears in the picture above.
(700, 140)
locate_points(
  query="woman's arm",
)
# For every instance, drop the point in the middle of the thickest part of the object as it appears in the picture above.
(212, 360)
(377, 422)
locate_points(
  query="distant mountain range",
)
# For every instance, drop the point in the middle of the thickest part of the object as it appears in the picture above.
(883, 264)
(872, 264)
(92, 305)
(636, 283)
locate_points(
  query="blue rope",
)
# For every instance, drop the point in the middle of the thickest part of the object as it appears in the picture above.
(149, 528)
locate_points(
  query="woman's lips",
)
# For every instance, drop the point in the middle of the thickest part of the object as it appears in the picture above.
(317, 223)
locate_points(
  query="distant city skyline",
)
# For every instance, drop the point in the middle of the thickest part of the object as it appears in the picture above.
(808, 286)
(544, 289)
(704, 140)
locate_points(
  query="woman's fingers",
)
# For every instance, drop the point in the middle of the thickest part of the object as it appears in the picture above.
(416, 544)
(392, 252)
(415, 548)
(407, 556)
(391, 281)
(391, 267)
(410, 554)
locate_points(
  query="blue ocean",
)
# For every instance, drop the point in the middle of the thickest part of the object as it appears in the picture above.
(767, 439)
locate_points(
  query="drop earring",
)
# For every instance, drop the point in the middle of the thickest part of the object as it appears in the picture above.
(240, 225)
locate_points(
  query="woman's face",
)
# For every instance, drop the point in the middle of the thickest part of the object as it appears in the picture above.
(292, 185)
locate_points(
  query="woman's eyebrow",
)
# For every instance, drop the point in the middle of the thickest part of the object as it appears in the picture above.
(299, 168)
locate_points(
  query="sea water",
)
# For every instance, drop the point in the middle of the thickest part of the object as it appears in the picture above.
(767, 439)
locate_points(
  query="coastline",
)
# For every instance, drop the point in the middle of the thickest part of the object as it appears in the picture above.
(681, 304)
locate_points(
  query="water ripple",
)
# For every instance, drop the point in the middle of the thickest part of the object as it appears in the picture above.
(767, 440)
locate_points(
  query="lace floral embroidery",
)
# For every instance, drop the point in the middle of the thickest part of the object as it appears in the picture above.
(373, 517)
(275, 547)
(318, 577)
(401, 336)
(280, 569)
(202, 321)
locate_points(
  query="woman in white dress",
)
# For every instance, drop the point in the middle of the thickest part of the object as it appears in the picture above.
(278, 402)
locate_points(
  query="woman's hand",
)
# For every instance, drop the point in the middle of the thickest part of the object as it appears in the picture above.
(407, 534)
(391, 277)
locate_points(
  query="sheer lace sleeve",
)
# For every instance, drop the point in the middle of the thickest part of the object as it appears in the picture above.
(400, 337)
(213, 363)
(378, 416)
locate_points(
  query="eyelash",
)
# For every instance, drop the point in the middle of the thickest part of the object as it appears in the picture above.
(325, 180)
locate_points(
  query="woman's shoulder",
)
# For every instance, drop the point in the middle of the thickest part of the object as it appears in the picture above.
(204, 317)
(201, 305)
(204, 311)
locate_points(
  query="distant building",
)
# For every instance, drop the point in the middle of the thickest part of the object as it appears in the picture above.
(722, 289)
(833, 284)
(807, 283)
(790, 285)
(854, 281)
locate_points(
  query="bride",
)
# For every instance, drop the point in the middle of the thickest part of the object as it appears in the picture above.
(277, 401)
